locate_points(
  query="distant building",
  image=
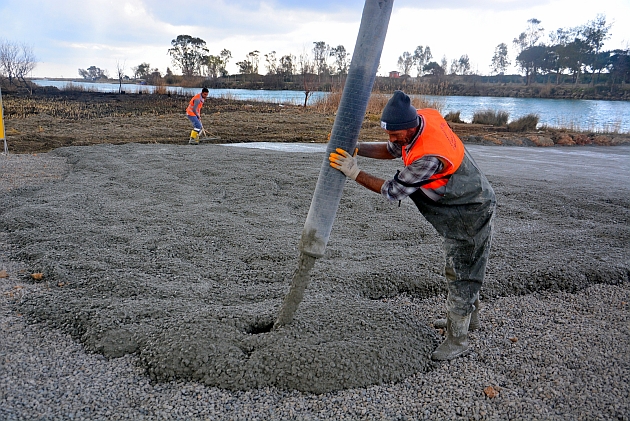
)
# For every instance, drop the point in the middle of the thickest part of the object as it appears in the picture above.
(394, 75)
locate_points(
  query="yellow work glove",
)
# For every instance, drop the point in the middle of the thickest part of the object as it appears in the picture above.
(344, 162)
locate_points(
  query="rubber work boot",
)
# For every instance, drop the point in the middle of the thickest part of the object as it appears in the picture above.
(194, 138)
(456, 342)
(474, 319)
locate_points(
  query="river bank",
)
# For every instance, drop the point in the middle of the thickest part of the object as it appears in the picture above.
(512, 86)
(51, 119)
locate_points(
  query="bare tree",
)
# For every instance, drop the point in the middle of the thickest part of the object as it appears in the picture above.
(26, 64)
(16, 62)
(120, 73)
(9, 53)
(405, 62)
(306, 69)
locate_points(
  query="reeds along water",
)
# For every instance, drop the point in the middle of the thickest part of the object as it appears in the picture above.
(330, 103)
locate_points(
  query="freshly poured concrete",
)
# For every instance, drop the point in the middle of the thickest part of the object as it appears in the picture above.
(184, 255)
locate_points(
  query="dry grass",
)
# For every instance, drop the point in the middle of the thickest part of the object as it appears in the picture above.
(453, 117)
(329, 104)
(490, 117)
(524, 124)
(160, 90)
(79, 88)
(608, 129)
(571, 125)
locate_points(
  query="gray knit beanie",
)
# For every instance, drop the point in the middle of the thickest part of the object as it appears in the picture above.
(399, 114)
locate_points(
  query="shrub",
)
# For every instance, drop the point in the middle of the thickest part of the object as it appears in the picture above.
(453, 117)
(523, 124)
(491, 117)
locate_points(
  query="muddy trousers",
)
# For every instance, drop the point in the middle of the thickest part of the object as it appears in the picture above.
(464, 271)
(467, 232)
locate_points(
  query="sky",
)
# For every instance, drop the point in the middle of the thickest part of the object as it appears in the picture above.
(67, 35)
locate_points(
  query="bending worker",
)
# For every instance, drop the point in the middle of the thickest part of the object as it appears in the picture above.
(451, 193)
(194, 115)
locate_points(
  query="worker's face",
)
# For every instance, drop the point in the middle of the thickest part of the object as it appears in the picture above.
(204, 95)
(401, 137)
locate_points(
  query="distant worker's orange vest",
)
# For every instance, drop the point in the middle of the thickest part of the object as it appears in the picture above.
(191, 110)
(437, 139)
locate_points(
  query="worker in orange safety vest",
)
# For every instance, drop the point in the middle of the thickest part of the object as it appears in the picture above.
(450, 191)
(193, 111)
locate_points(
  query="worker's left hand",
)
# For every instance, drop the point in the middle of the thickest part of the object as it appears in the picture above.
(344, 162)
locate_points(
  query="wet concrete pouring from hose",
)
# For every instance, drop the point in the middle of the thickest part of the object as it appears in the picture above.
(294, 297)
(183, 255)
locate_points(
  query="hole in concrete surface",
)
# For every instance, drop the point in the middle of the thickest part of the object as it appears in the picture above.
(259, 327)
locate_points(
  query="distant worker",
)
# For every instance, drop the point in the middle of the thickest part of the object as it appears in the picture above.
(194, 115)
(449, 190)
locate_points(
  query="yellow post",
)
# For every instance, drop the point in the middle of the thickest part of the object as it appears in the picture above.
(4, 137)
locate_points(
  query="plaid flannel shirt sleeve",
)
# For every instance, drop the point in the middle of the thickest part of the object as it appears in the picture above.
(418, 171)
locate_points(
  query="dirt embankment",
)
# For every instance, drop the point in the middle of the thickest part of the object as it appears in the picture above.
(47, 121)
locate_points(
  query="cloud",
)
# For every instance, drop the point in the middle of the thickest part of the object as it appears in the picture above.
(80, 33)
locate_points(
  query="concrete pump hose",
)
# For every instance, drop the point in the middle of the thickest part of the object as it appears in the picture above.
(345, 132)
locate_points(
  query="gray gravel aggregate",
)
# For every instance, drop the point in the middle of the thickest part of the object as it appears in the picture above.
(553, 347)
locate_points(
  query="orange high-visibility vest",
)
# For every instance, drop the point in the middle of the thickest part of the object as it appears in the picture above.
(437, 139)
(192, 109)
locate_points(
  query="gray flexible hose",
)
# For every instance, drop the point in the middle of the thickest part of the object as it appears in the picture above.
(345, 132)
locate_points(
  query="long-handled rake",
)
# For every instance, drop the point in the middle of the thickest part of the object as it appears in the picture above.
(206, 136)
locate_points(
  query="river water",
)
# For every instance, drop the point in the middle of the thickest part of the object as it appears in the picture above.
(583, 115)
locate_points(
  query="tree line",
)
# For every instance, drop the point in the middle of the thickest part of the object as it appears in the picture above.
(191, 56)
(570, 52)
(574, 55)
(569, 55)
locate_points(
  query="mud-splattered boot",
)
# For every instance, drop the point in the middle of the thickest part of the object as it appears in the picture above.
(456, 342)
(475, 324)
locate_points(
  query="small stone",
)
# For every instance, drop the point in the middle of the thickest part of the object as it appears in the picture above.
(491, 392)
